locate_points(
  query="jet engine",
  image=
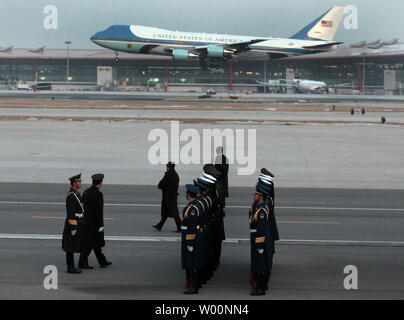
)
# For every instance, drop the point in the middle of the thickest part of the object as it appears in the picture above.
(180, 54)
(215, 52)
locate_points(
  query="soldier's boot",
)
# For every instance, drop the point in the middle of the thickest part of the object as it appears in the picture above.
(72, 269)
(258, 290)
(188, 281)
(254, 281)
(195, 284)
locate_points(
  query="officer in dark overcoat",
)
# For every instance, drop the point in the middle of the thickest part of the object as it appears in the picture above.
(72, 232)
(169, 206)
(189, 245)
(93, 226)
(261, 242)
(222, 164)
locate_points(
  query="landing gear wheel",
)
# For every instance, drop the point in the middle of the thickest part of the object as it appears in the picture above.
(205, 67)
(116, 60)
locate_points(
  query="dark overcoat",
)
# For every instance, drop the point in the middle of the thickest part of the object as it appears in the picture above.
(260, 236)
(222, 164)
(74, 215)
(190, 246)
(169, 186)
(93, 218)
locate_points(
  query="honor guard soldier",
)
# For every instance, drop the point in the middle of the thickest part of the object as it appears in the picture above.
(204, 232)
(268, 178)
(93, 226)
(189, 246)
(71, 241)
(211, 173)
(169, 208)
(261, 242)
(210, 196)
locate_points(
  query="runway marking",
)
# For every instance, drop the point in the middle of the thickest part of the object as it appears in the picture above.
(43, 217)
(316, 242)
(309, 222)
(231, 207)
(279, 222)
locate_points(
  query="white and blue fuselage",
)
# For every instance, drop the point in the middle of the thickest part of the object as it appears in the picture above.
(316, 37)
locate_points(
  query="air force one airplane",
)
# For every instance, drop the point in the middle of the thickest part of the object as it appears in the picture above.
(213, 49)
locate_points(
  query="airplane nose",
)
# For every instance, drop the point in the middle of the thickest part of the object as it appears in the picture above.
(95, 37)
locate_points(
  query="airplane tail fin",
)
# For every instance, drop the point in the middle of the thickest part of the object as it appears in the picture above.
(324, 27)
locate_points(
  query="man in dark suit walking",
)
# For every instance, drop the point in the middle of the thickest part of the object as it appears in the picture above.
(222, 164)
(93, 226)
(169, 207)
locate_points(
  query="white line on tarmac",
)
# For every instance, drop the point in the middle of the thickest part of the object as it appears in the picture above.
(231, 240)
(231, 207)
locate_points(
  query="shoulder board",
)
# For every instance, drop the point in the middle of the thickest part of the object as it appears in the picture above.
(209, 200)
(185, 215)
(201, 203)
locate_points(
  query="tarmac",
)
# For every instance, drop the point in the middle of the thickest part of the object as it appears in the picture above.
(320, 156)
(339, 199)
(361, 229)
(194, 96)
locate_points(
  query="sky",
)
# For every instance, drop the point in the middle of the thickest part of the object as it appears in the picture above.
(21, 21)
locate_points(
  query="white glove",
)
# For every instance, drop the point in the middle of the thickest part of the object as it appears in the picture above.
(190, 248)
(260, 251)
(73, 232)
(101, 229)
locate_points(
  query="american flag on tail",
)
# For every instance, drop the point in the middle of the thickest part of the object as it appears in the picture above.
(327, 24)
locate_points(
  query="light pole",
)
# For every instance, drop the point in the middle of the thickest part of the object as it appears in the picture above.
(67, 43)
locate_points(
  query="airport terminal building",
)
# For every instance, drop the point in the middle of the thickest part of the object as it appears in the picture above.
(375, 68)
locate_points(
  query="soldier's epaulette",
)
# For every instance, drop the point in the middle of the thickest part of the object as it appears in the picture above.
(266, 210)
(187, 210)
(255, 217)
(206, 202)
(201, 203)
(210, 200)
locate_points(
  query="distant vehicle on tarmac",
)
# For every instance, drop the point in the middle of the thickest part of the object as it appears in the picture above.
(23, 86)
(213, 49)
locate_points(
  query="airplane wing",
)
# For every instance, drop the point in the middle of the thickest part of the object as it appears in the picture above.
(234, 47)
(323, 46)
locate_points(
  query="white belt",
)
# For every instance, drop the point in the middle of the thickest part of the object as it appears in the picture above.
(79, 215)
(253, 230)
(184, 228)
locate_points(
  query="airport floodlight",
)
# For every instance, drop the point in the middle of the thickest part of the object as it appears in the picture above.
(68, 42)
